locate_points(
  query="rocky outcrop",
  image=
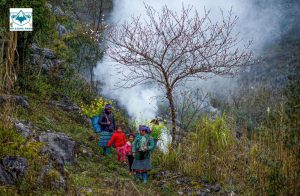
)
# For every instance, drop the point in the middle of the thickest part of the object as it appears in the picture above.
(59, 146)
(5, 178)
(44, 57)
(18, 100)
(58, 11)
(26, 129)
(16, 166)
(12, 169)
(64, 103)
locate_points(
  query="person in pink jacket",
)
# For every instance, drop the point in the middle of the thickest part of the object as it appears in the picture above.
(128, 151)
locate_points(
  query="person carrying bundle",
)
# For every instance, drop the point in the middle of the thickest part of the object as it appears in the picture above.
(107, 123)
(142, 147)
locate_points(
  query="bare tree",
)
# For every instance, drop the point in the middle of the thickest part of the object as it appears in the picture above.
(168, 48)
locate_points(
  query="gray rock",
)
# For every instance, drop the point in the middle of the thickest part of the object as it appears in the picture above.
(61, 30)
(49, 54)
(49, 6)
(23, 129)
(66, 104)
(19, 100)
(188, 191)
(35, 59)
(182, 180)
(5, 178)
(46, 67)
(45, 52)
(60, 147)
(201, 193)
(58, 11)
(203, 181)
(36, 49)
(215, 188)
(15, 166)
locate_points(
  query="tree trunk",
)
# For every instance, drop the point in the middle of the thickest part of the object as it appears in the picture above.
(100, 16)
(92, 76)
(173, 115)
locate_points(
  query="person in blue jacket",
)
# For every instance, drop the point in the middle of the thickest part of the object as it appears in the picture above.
(107, 123)
(142, 147)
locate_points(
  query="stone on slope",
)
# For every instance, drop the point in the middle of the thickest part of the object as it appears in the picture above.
(65, 103)
(16, 167)
(5, 178)
(60, 147)
(19, 100)
(25, 129)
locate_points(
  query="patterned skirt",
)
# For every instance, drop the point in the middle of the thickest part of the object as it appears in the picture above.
(141, 165)
(104, 138)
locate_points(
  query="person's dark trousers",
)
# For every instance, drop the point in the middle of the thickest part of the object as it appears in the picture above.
(130, 159)
(138, 176)
(106, 151)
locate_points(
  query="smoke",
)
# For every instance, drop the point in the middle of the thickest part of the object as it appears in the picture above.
(139, 101)
(259, 22)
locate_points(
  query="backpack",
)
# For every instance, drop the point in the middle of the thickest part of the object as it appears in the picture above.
(95, 124)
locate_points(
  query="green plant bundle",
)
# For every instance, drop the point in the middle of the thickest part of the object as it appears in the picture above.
(95, 107)
(156, 130)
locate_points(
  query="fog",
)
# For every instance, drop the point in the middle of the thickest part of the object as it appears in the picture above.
(258, 22)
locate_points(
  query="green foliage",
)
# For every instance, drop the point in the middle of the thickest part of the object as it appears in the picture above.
(170, 161)
(41, 86)
(94, 108)
(82, 46)
(261, 164)
(212, 141)
(13, 144)
(156, 130)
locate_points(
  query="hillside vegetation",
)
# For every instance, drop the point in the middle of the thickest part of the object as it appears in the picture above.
(48, 147)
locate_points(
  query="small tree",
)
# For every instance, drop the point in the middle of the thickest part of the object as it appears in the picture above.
(169, 48)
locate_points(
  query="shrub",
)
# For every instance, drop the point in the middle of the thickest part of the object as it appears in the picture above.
(95, 107)
(260, 165)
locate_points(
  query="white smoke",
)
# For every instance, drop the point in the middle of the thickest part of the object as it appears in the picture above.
(257, 24)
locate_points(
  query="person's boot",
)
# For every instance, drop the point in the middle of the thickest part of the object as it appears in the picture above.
(145, 177)
(103, 151)
(138, 177)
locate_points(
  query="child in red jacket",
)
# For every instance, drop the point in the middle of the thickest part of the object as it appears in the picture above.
(119, 140)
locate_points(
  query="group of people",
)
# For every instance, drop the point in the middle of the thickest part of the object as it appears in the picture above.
(137, 149)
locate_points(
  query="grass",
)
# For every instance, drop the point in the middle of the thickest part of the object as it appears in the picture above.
(261, 164)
